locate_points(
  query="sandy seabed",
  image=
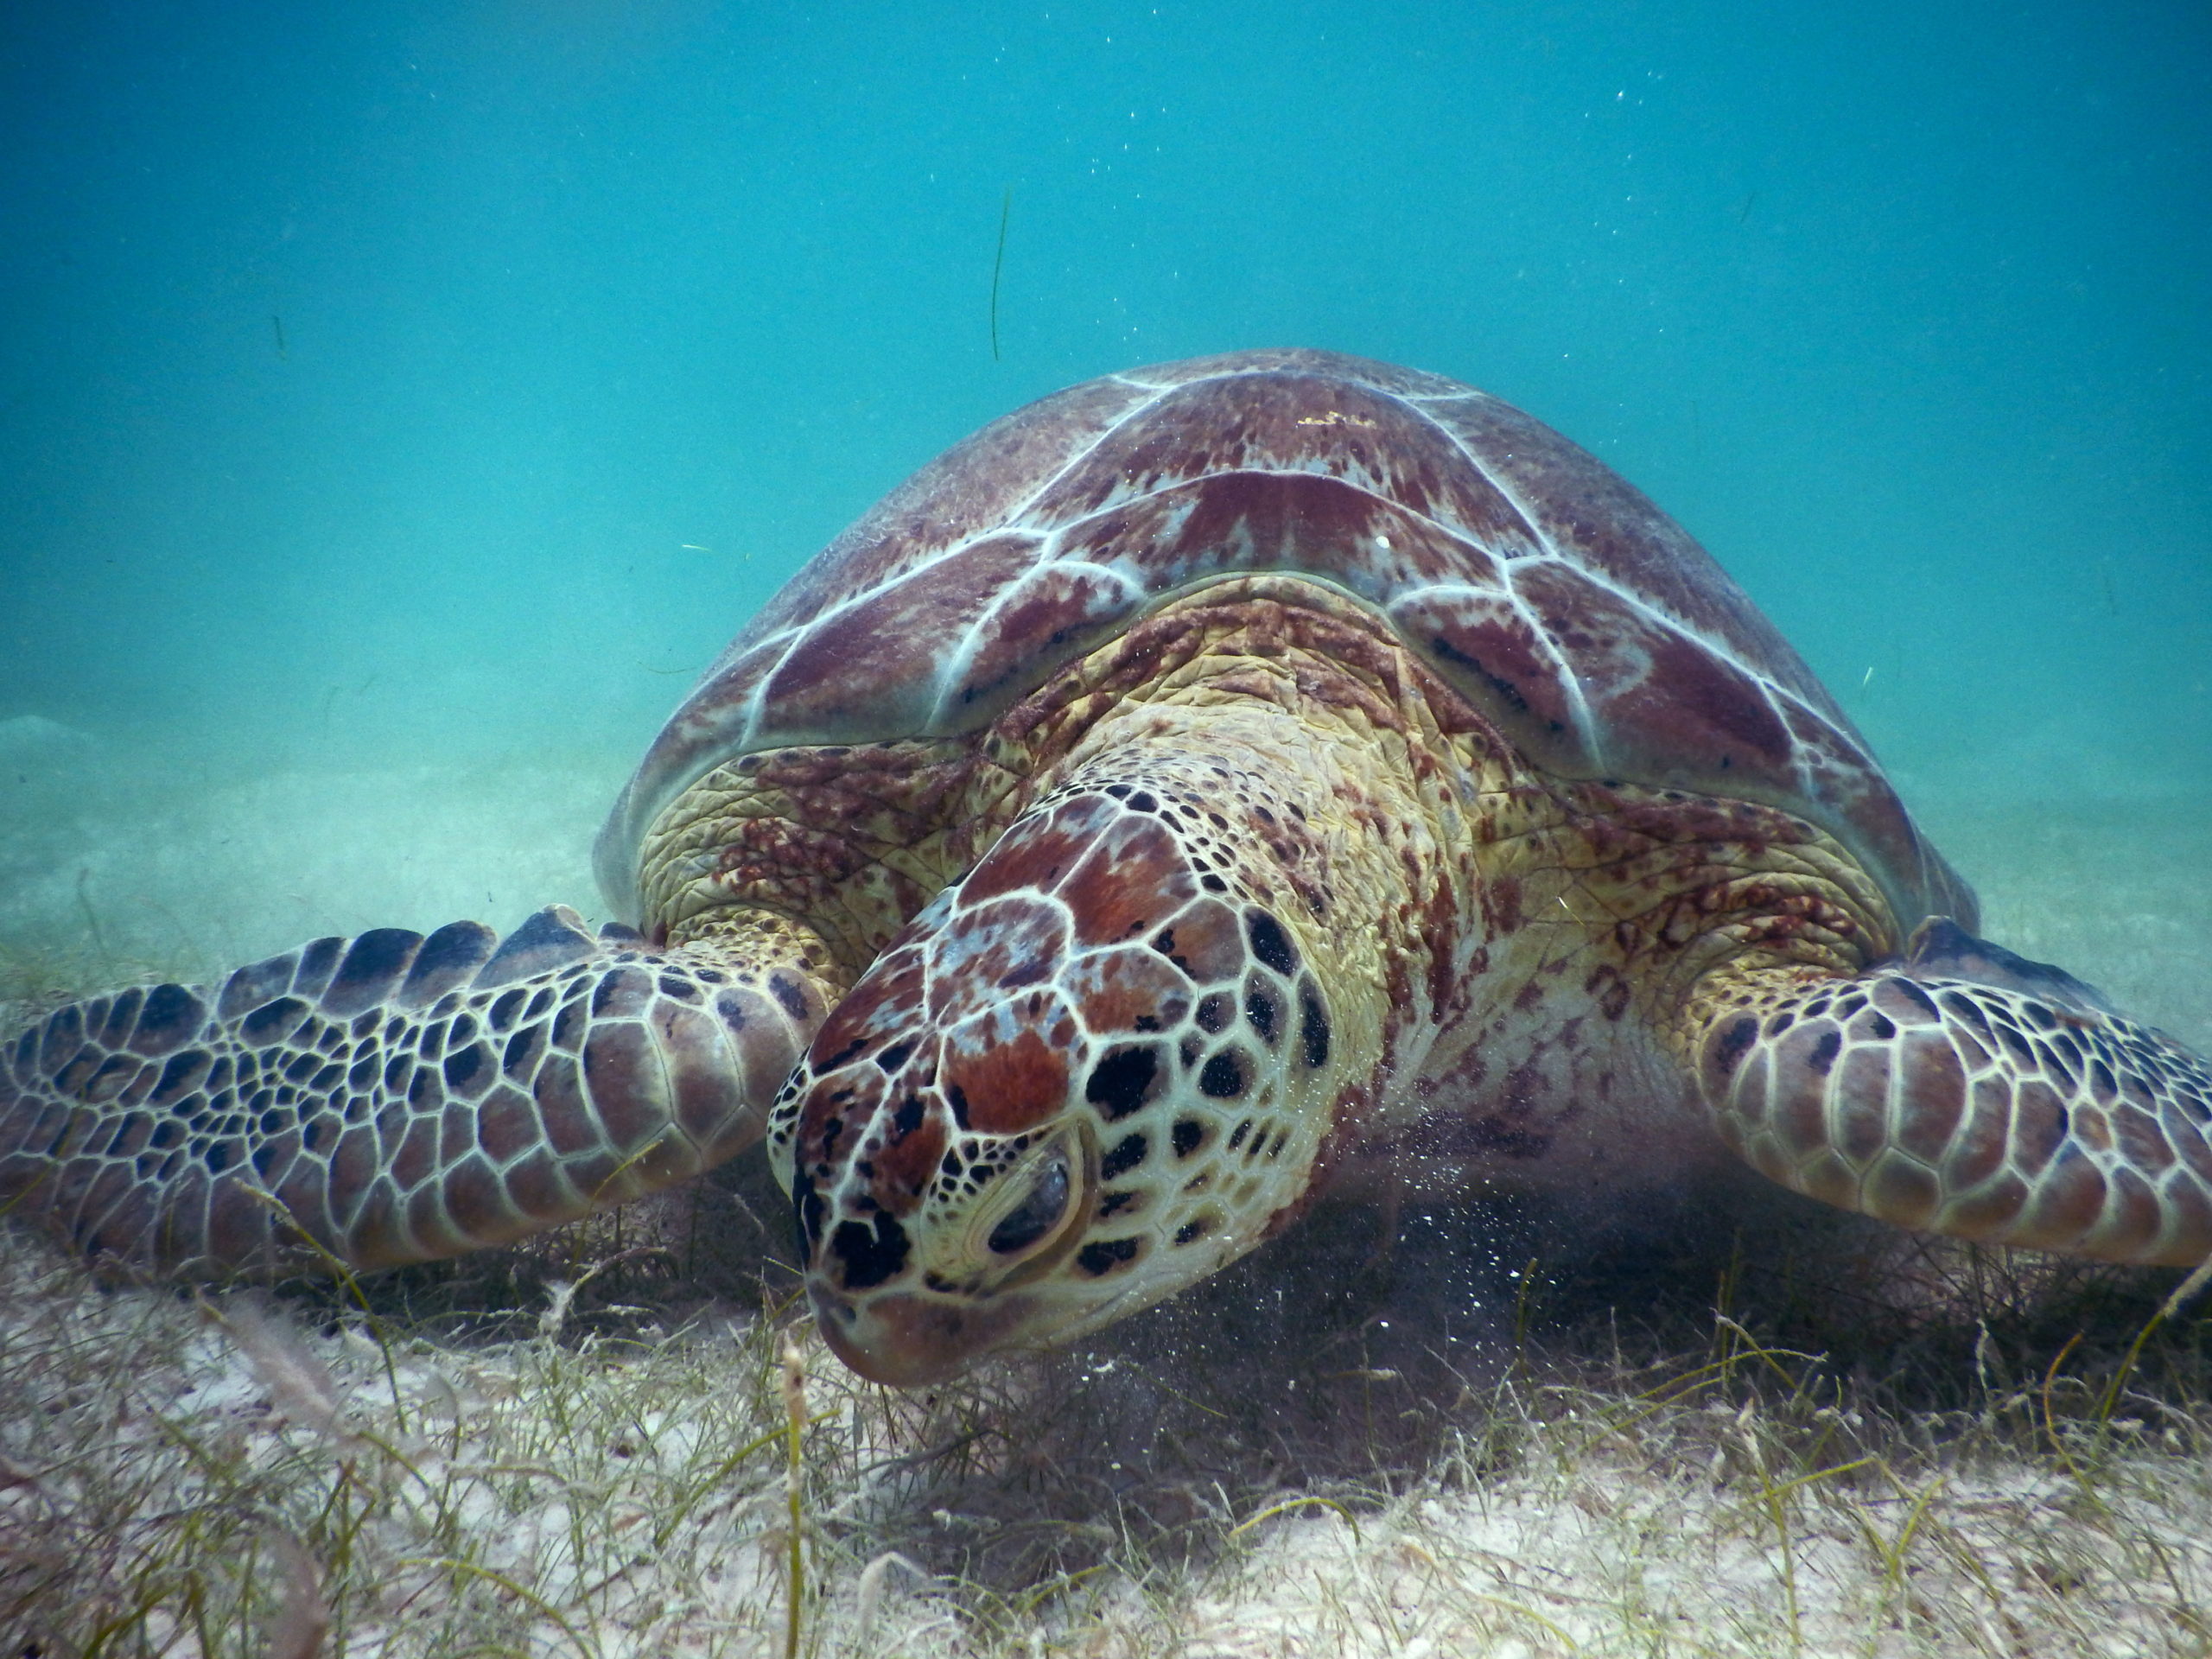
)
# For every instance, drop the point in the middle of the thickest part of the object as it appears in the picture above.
(1488, 1438)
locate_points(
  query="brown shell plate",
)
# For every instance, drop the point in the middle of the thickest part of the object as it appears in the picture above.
(1581, 619)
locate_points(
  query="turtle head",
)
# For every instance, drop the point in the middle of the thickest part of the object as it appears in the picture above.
(1089, 1075)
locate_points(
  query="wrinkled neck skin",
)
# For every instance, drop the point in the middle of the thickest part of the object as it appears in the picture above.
(1108, 1062)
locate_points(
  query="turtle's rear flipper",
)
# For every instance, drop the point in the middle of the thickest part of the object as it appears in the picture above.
(391, 1097)
(1965, 1091)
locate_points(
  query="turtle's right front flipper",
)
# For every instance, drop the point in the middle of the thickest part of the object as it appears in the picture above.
(392, 1099)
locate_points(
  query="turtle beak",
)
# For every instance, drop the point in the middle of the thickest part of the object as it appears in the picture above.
(909, 1340)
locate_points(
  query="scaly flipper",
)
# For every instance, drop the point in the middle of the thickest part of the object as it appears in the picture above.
(394, 1098)
(1965, 1091)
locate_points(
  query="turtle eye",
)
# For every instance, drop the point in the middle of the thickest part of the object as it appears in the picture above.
(1038, 1213)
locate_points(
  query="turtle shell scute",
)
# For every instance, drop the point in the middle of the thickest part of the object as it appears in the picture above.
(1567, 610)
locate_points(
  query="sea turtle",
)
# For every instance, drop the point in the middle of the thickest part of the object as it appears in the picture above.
(1197, 787)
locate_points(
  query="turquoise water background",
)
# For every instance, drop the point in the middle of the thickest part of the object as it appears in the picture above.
(445, 380)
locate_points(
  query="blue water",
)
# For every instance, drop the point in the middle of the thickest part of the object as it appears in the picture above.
(452, 379)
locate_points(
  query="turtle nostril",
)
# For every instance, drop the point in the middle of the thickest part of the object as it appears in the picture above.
(1040, 1212)
(869, 1255)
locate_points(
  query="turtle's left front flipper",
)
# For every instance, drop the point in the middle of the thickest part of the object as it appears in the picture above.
(1965, 1091)
(393, 1098)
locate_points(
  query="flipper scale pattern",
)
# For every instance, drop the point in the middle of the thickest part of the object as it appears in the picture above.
(2013, 1112)
(389, 1098)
